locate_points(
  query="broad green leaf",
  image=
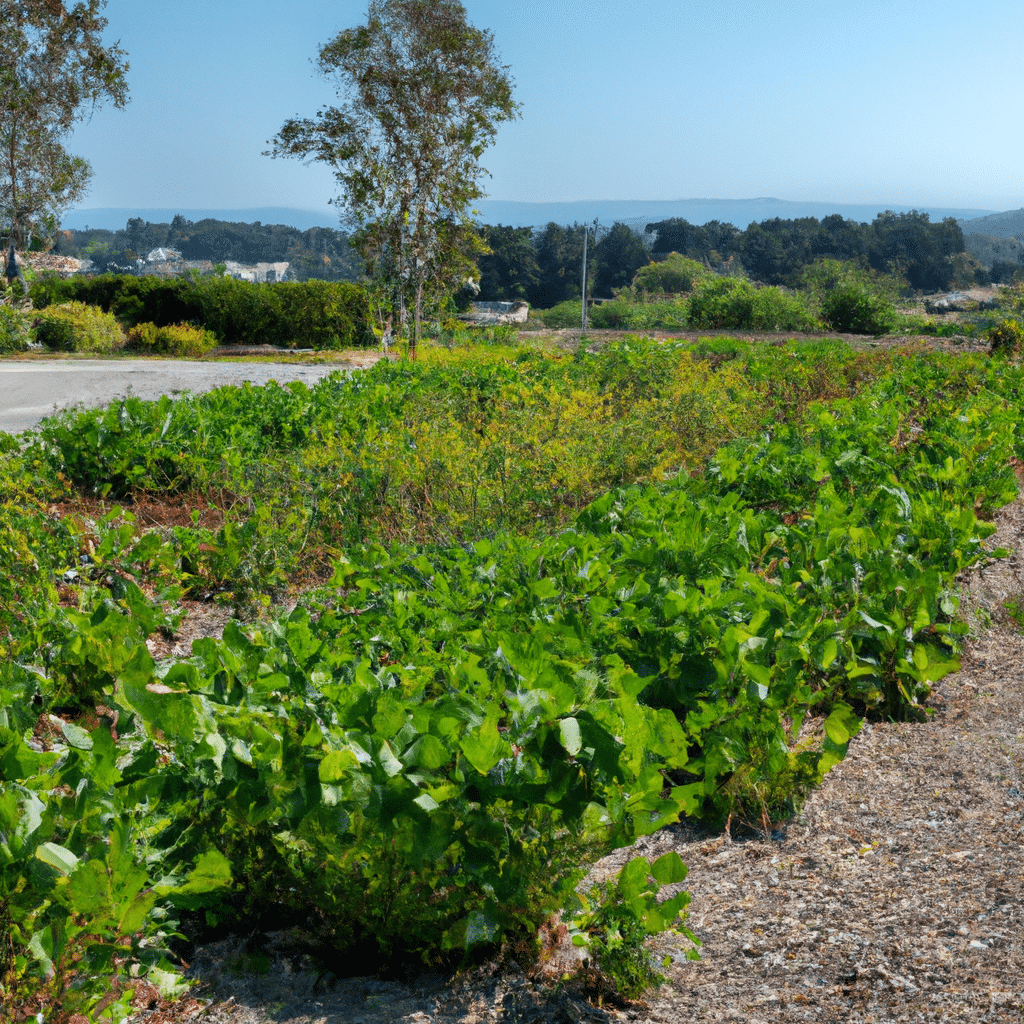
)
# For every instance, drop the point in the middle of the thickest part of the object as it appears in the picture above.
(337, 766)
(427, 752)
(427, 802)
(58, 857)
(633, 879)
(669, 869)
(76, 736)
(829, 652)
(484, 747)
(874, 623)
(572, 739)
(842, 724)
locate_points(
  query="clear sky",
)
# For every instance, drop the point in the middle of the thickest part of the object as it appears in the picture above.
(896, 103)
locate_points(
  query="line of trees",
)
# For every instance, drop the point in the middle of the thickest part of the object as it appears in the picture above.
(319, 252)
(544, 266)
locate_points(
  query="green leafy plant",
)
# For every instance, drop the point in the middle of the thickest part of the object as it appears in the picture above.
(614, 920)
(76, 327)
(854, 308)
(172, 340)
(671, 275)
(16, 331)
(1006, 338)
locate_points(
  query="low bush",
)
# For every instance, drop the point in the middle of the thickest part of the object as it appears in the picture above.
(671, 275)
(173, 340)
(855, 308)
(325, 314)
(730, 304)
(1006, 338)
(16, 331)
(565, 314)
(76, 327)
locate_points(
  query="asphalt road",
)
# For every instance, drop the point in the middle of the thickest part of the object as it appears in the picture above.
(31, 391)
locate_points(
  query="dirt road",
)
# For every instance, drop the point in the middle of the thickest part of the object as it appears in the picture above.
(32, 390)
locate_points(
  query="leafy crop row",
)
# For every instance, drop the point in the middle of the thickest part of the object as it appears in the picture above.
(496, 685)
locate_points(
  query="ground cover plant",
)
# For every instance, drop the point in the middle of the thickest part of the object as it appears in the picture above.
(562, 599)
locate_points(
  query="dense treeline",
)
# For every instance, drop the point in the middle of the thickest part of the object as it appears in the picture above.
(317, 253)
(544, 266)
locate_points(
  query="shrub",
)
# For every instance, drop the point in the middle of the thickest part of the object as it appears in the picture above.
(673, 274)
(325, 314)
(1006, 338)
(614, 315)
(730, 304)
(855, 308)
(776, 310)
(173, 340)
(16, 331)
(565, 314)
(76, 327)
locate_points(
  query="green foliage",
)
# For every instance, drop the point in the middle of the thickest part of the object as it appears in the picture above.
(314, 314)
(77, 327)
(325, 315)
(731, 304)
(16, 330)
(173, 340)
(563, 641)
(565, 314)
(423, 94)
(673, 274)
(1006, 338)
(615, 918)
(54, 71)
(854, 308)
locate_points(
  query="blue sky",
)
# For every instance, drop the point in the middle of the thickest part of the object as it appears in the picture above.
(896, 103)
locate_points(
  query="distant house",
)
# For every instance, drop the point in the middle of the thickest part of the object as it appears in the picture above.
(163, 256)
(257, 272)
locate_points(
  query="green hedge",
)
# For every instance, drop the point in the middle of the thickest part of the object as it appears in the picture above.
(316, 314)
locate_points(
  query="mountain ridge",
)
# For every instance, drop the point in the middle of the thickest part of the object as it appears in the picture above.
(740, 212)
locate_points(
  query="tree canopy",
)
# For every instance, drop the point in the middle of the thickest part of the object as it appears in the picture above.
(423, 95)
(54, 71)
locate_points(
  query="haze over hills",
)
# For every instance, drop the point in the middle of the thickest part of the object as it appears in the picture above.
(111, 218)
(1000, 225)
(740, 212)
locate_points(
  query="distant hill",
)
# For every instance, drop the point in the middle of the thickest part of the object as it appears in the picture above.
(115, 218)
(740, 212)
(989, 249)
(1002, 225)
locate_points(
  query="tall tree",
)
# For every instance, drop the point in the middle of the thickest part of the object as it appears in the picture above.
(560, 264)
(423, 95)
(509, 271)
(54, 71)
(619, 255)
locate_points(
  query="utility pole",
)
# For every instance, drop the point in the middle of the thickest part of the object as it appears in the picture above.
(586, 234)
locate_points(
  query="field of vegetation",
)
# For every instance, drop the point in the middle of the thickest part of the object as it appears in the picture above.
(541, 604)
